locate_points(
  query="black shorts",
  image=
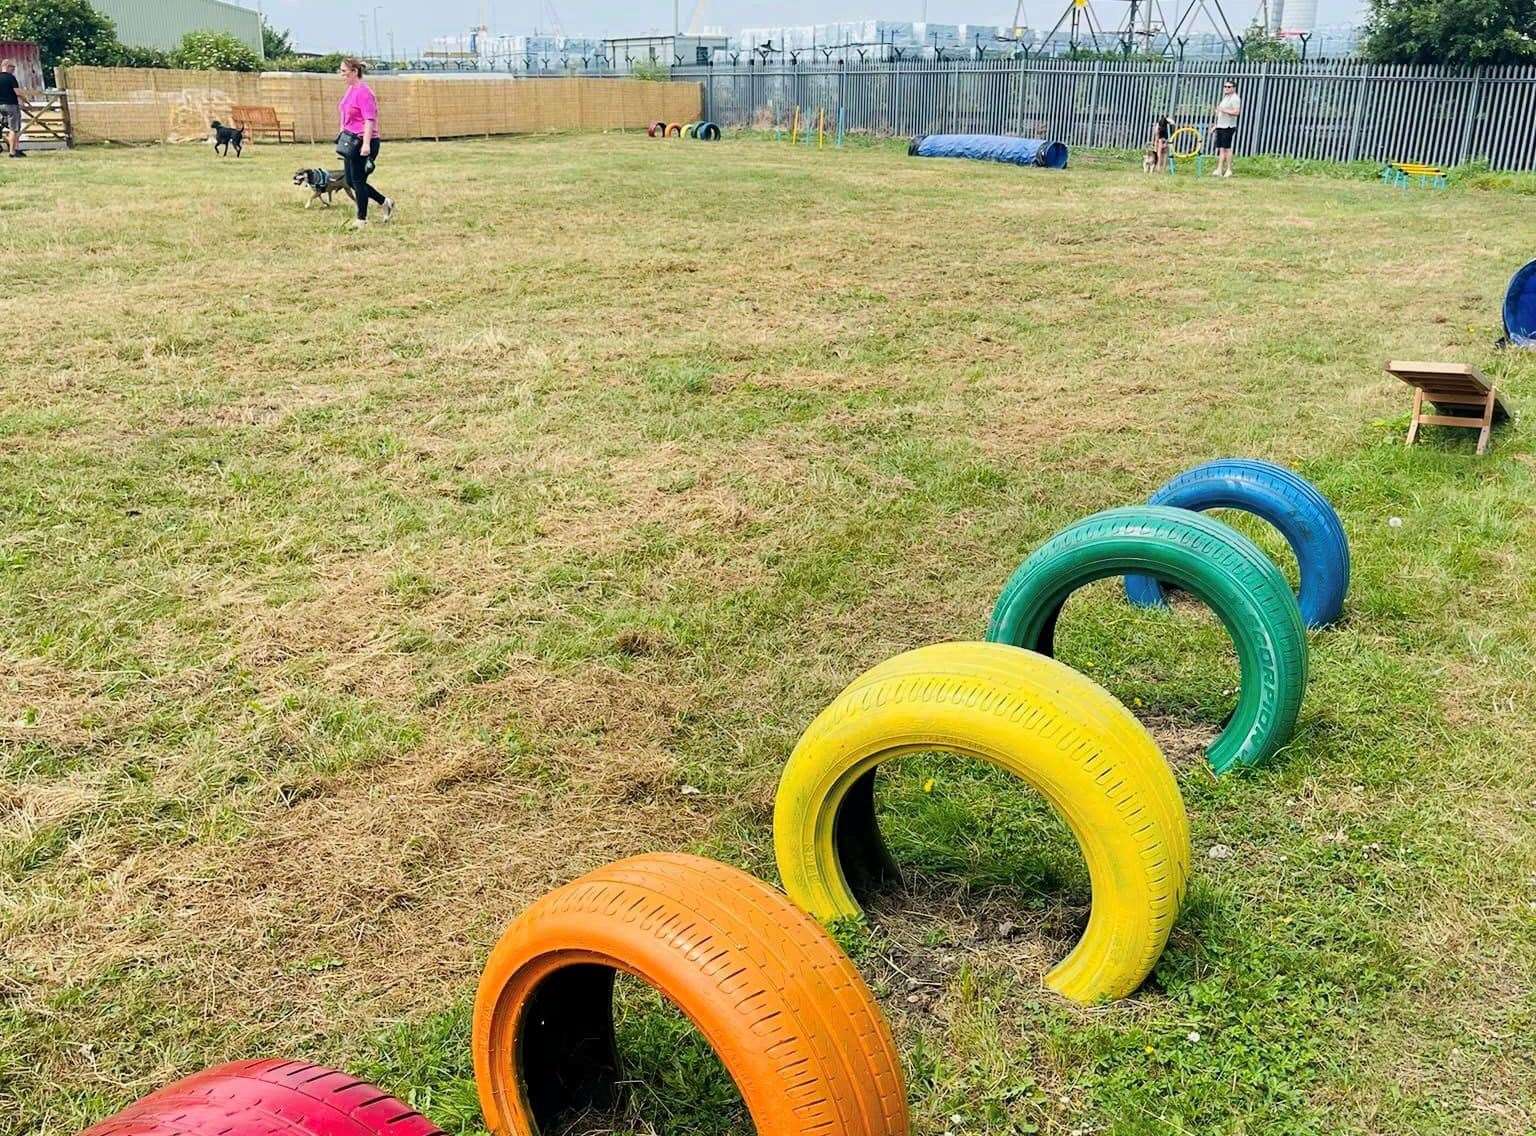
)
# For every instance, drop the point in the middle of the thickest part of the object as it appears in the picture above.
(1224, 135)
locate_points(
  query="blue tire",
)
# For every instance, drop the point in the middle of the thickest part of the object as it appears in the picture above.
(1286, 500)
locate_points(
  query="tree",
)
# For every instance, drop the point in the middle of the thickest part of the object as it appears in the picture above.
(65, 31)
(1464, 33)
(1261, 47)
(214, 51)
(275, 44)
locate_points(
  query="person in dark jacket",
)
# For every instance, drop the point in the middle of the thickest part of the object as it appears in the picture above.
(10, 105)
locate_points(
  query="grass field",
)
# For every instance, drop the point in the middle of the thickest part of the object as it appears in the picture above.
(355, 589)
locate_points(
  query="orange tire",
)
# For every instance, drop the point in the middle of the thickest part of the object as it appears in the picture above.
(675, 130)
(772, 994)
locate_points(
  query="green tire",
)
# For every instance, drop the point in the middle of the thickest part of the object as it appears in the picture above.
(1203, 557)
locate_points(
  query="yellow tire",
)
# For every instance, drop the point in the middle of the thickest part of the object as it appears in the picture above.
(1034, 717)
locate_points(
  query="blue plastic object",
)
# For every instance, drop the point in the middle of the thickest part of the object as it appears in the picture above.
(1286, 500)
(1520, 307)
(992, 148)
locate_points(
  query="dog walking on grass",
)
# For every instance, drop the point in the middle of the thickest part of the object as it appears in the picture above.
(227, 136)
(323, 185)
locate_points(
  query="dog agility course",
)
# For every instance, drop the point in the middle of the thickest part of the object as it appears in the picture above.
(912, 647)
(791, 1020)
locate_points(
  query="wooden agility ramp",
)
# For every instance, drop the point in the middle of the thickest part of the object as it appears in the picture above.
(1468, 399)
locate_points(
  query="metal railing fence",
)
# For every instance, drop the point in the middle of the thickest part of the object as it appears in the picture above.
(1341, 111)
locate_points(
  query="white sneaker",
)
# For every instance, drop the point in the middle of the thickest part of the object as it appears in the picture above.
(389, 209)
(1227, 174)
(359, 223)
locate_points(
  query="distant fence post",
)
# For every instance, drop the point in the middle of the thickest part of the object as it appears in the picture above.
(949, 121)
(709, 92)
(1018, 99)
(1473, 97)
(1093, 105)
(1256, 134)
(1354, 125)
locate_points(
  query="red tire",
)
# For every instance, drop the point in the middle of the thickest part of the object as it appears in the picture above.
(656, 130)
(269, 1097)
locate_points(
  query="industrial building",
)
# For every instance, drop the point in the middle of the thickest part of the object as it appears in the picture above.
(879, 38)
(624, 52)
(515, 52)
(163, 23)
(883, 40)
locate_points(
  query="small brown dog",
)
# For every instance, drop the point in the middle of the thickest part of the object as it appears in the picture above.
(322, 184)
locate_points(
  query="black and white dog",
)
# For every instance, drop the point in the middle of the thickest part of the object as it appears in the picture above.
(227, 136)
(322, 184)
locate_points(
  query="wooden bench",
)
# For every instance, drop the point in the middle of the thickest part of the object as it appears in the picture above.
(1458, 388)
(1403, 173)
(262, 121)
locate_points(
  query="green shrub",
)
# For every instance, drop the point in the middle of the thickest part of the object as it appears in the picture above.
(1478, 174)
(654, 70)
(214, 51)
(317, 63)
(125, 56)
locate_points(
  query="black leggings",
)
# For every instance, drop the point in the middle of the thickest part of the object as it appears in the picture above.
(357, 178)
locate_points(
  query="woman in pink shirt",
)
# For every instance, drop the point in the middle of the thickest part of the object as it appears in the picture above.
(360, 117)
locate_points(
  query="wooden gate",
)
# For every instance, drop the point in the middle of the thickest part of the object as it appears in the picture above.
(45, 121)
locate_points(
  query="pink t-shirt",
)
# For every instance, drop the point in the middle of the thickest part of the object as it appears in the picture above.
(357, 105)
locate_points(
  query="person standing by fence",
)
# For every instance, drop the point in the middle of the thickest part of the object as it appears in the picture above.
(358, 142)
(1162, 132)
(10, 105)
(1227, 112)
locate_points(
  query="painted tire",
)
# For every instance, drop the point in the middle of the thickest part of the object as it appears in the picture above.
(774, 996)
(1034, 717)
(708, 132)
(1204, 557)
(656, 130)
(1286, 500)
(674, 130)
(688, 129)
(269, 1097)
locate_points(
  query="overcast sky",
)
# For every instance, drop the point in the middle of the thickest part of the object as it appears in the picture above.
(326, 25)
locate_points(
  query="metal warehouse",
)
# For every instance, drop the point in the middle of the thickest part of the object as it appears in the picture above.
(162, 23)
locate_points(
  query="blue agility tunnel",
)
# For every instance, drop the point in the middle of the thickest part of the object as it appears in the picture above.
(1520, 307)
(991, 148)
